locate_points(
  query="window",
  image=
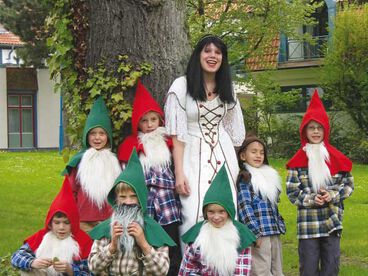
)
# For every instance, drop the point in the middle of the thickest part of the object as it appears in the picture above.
(20, 121)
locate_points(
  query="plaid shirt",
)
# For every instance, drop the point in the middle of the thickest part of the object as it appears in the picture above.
(102, 262)
(260, 215)
(318, 221)
(23, 258)
(192, 263)
(163, 205)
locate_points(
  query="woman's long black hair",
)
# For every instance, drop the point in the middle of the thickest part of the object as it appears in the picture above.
(195, 75)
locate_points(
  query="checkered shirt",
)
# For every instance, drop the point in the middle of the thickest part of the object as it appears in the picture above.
(163, 205)
(192, 263)
(260, 215)
(318, 221)
(23, 258)
(102, 262)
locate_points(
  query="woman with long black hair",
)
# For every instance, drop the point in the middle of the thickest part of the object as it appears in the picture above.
(205, 122)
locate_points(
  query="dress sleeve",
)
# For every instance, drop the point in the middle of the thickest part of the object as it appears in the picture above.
(234, 123)
(175, 117)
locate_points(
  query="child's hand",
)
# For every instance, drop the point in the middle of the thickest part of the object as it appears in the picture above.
(63, 267)
(135, 230)
(181, 185)
(117, 231)
(41, 263)
(318, 200)
(325, 195)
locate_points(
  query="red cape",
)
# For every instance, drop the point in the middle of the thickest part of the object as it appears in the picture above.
(316, 112)
(64, 202)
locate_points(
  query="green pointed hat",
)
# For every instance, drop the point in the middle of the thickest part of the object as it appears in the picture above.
(132, 175)
(220, 193)
(97, 117)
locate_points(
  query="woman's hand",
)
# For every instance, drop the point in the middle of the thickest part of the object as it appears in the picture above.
(181, 185)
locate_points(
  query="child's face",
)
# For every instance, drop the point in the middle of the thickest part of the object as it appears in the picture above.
(97, 138)
(216, 215)
(149, 122)
(61, 227)
(253, 154)
(127, 197)
(314, 132)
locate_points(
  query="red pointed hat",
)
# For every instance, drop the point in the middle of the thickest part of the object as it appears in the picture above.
(143, 103)
(64, 202)
(316, 112)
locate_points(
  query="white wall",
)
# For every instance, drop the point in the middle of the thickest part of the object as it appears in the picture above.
(3, 110)
(48, 111)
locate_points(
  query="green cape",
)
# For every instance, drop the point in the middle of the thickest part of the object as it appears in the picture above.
(133, 175)
(220, 193)
(97, 117)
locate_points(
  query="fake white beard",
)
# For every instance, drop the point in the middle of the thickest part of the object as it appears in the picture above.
(318, 171)
(51, 247)
(219, 247)
(124, 215)
(156, 152)
(266, 181)
(97, 172)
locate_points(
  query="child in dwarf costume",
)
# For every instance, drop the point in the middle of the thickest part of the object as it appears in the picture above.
(93, 170)
(318, 182)
(61, 247)
(154, 149)
(219, 245)
(131, 242)
(259, 188)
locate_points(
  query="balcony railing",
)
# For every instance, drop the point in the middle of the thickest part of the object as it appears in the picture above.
(301, 50)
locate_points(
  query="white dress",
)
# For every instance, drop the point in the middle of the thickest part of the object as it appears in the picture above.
(209, 130)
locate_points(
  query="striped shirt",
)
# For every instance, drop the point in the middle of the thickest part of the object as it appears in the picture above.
(318, 221)
(102, 262)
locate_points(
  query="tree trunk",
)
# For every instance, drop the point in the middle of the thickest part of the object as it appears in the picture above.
(152, 31)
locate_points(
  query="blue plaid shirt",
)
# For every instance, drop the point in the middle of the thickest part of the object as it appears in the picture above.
(260, 215)
(318, 221)
(23, 258)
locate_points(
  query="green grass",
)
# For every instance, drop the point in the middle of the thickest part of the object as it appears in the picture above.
(30, 180)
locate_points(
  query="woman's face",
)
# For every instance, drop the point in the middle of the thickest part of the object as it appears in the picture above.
(210, 58)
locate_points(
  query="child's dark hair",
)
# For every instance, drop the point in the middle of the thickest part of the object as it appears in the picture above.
(244, 175)
(195, 77)
(60, 215)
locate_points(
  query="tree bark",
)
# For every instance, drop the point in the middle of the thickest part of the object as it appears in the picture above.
(152, 31)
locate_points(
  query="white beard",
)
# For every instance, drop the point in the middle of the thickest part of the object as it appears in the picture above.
(124, 215)
(64, 250)
(97, 172)
(318, 171)
(156, 152)
(266, 181)
(219, 247)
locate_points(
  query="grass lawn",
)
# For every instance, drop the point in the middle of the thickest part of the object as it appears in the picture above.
(30, 180)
